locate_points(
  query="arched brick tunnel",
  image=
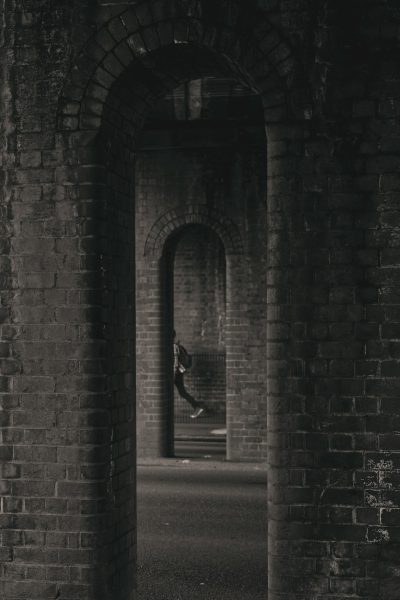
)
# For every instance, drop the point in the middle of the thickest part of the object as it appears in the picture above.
(77, 88)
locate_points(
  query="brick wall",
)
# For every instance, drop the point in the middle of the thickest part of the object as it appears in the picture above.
(328, 76)
(67, 491)
(199, 300)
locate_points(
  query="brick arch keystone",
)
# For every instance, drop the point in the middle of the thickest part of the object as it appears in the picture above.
(174, 220)
(263, 56)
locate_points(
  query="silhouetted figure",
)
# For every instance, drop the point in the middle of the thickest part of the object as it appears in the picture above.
(179, 371)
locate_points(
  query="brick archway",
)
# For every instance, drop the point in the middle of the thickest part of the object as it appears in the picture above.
(133, 59)
(261, 57)
(156, 298)
(331, 269)
(173, 220)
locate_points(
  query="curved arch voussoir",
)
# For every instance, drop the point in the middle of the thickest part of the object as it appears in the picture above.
(140, 31)
(174, 220)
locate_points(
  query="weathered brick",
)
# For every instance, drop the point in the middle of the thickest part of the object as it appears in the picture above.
(332, 272)
(31, 159)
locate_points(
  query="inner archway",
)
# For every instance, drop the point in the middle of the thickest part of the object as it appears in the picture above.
(199, 319)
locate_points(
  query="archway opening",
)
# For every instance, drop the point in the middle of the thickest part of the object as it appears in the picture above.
(111, 91)
(201, 167)
(198, 272)
(200, 197)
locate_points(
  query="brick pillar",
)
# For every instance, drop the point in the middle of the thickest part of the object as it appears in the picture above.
(154, 357)
(246, 402)
(68, 498)
(332, 367)
(116, 237)
(234, 331)
(315, 394)
(237, 367)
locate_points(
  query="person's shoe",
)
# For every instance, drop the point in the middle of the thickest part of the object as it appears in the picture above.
(197, 413)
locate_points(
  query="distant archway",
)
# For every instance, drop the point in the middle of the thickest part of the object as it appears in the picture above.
(196, 266)
(174, 220)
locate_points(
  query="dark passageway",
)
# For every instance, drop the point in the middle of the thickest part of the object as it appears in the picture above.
(276, 124)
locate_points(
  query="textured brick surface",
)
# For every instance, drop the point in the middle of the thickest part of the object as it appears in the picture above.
(200, 290)
(226, 199)
(77, 83)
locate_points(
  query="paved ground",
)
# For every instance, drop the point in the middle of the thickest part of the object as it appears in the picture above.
(202, 531)
(198, 440)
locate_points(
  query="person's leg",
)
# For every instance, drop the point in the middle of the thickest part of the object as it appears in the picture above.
(180, 386)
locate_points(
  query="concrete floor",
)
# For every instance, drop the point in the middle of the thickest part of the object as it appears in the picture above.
(202, 531)
(199, 440)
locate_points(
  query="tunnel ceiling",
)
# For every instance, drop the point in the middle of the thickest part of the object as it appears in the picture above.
(204, 107)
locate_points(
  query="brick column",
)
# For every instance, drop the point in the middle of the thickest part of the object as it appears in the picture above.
(69, 498)
(154, 357)
(332, 387)
(115, 234)
(246, 403)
